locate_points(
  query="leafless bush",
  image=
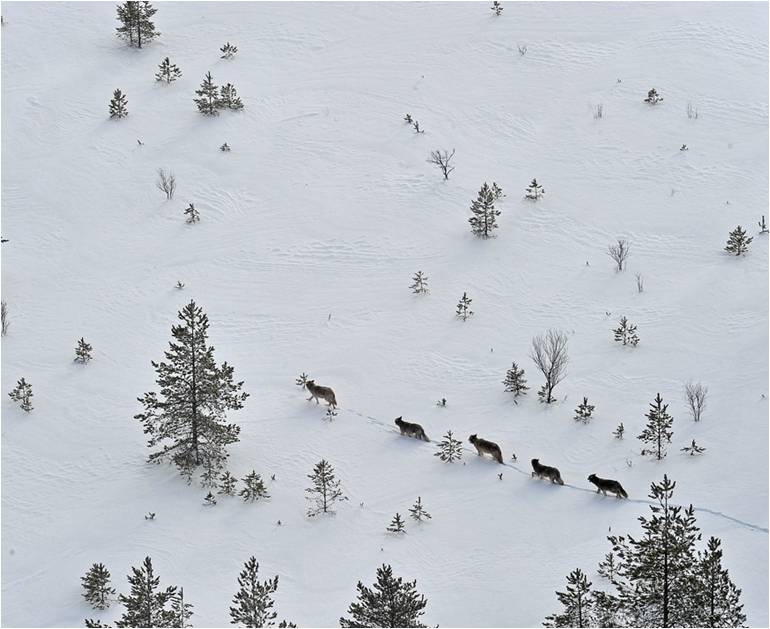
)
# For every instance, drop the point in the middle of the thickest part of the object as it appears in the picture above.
(166, 182)
(442, 161)
(522, 49)
(696, 398)
(692, 112)
(598, 111)
(4, 323)
(639, 283)
(549, 352)
(619, 252)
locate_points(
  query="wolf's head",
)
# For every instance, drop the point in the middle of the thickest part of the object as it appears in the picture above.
(535, 462)
(473, 439)
(309, 382)
(399, 421)
(592, 478)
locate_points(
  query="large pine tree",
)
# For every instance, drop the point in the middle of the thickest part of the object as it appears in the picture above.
(657, 434)
(187, 418)
(718, 599)
(253, 602)
(96, 586)
(484, 213)
(146, 605)
(136, 25)
(390, 603)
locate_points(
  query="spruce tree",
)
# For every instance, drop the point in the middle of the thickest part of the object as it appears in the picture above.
(325, 490)
(90, 622)
(208, 97)
(96, 584)
(22, 394)
(626, 333)
(464, 307)
(497, 191)
(449, 448)
(253, 488)
(497, 7)
(228, 97)
(390, 603)
(167, 71)
(420, 285)
(396, 525)
(515, 382)
(253, 602)
(534, 191)
(484, 213)
(577, 601)
(187, 419)
(180, 611)
(608, 567)
(739, 242)
(583, 411)
(118, 105)
(718, 598)
(618, 434)
(418, 512)
(83, 351)
(193, 216)
(658, 431)
(146, 605)
(228, 51)
(227, 484)
(136, 22)
(693, 449)
(653, 98)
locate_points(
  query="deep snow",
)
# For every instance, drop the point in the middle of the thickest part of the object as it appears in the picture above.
(311, 228)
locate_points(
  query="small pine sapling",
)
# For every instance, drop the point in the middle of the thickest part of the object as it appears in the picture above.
(442, 161)
(192, 215)
(515, 382)
(608, 567)
(254, 488)
(325, 490)
(653, 98)
(22, 394)
(658, 431)
(416, 127)
(227, 484)
(618, 433)
(150, 515)
(228, 51)
(179, 285)
(330, 415)
(225, 148)
(449, 448)
(420, 285)
(583, 411)
(396, 525)
(483, 221)
(83, 351)
(693, 449)
(441, 402)
(208, 97)
(210, 500)
(228, 97)
(118, 105)
(96, 586)
(762, 225)
(464, 307)
(535, 191)
(497, 7)
(626, 333)
(738, 242)
(418, 512)
(167, 71)
(301, 381)
(497, 192)
(408, 119)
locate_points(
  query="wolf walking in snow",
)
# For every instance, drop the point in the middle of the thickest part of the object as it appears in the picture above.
(411, 430)
(546, 471)
(486, 447)
(605, 485)
(317, 391)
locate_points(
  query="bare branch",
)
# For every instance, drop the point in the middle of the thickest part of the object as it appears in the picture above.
(166, 182)
(549, 353)
(619, 252)
(442, 161)
(696, 398)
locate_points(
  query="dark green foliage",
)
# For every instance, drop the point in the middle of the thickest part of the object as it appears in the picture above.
(693, 449)
(253, 488)
(577, 601)
(227, 484)
(396, 525)
(208, 97)
(146, 605)
(228, 97)
(137, 27)
(626, 333)
(90, 622)
(96, 586)
(418, 512)
(449, 448)
(464, 307)
(420, 285)
(653, 98)
(180, 610)
(618, 434)
(253, 602)
(583, 411)
(83, 351)
(738, 242)
(718, 601)
(515, 382)
(608, 568)
(228, 51)
(484, 213)
(658, 431)
(534, 191)
(390, 603)
(325, 490)
(22, 394)
(167, 71)
(118, 105)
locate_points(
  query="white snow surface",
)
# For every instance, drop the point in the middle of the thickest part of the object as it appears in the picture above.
(311, 228)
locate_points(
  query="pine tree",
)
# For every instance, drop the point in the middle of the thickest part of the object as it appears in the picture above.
(228, 97)
(418, 512)
(420, 286)
(227, 484)
(762, 225)
(390, 603)
(146, 604)
(626, 333)
(118, 105)
(302, 380)
(608, 568)
(535, 191)
(577, 601)
(90, 622)
(96, 584)
(515, 382)
(618, 434)
(653, 98)
(658, 431)
(738, 243)
(325, 490)
(210, 500)
(450, 449)
(228, 51)
(83, 351)
(254, 488)
(396, 525)
(180, 611)
(464, 307)
(23, 394)
(693, 449)
(193, 216)
(137, 26)
(497, 192)
(208, 101)
(583, 411)
(497, 7)
(167, 71)
(484, 213)
(718, 598)
(408, 119)
(253, 602)
(187, 420)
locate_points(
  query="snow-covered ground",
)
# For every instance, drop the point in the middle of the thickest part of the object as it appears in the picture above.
(311, 228)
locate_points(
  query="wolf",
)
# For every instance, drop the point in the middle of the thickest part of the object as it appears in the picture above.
(325, 393)
(411, 430)
(486, 447)
(546, 471)
(605, 485)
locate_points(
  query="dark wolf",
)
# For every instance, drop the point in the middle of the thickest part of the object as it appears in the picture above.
(486, 447)
(411, 430)
(605, 485)
(317, 391)
(546, 471)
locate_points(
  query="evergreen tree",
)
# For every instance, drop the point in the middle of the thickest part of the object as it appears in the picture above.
(418, 512)
(583, 411)
(577, 601)
(193, 216)
(484, 213)
(187, 420)
(208, 97)
(23, 394)
(210, 500)
(227, 484)
(325, 490)
(653, 98)
(626, 333)
(718, 599)
(254, 488)
(228, 51)
(228, 97)
(167, 71)
(497, 7)
(420, 286)
(535, 191)
(181, 611)
(390, 603)
(253, 602)
(396, 525)
(450, 449)
(497, 192)
(693, 449)
(90, 622)
(464, 307)
(96, 584)
(515, 382)
(136, 22)
(618, 434)
(738, 243)
(146, 604)
(83, 351)
(608, 567)
(118, 105)
(658, 431)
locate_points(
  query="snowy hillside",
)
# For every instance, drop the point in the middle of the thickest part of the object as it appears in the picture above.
(311, 229)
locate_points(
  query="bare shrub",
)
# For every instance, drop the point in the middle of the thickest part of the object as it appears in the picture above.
(696, 394)
(442, 160)
(639, 283)
(549, 352)
(522, 49)
(598, 111)
(619, 252)
(166, 182)
(4, 323)
(692, 112)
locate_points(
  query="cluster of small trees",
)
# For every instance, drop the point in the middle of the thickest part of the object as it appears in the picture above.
(418, 513)
(212, 98)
